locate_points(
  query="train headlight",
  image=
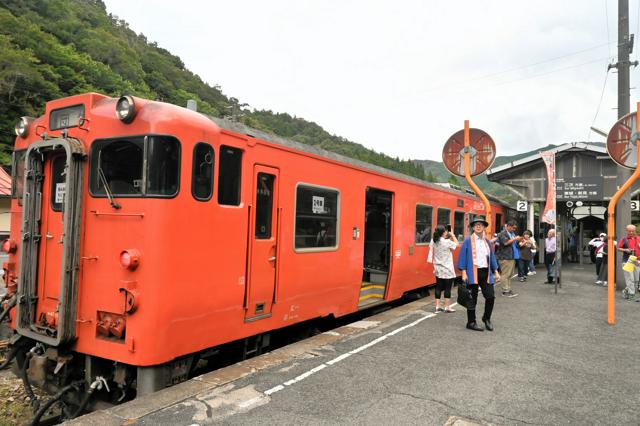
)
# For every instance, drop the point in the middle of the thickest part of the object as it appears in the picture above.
(9, 246)
(126, 109)
(130, 259)
(22, 127)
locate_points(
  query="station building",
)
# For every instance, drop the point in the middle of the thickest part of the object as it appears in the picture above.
(586, 180)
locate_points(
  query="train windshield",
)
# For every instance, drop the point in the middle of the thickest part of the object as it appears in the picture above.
(135, 167)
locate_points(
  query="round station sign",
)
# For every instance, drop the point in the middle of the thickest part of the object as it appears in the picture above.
(622, 142)
(482, 150)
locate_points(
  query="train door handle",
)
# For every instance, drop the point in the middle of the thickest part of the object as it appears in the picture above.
(271, 259)
(48, 236)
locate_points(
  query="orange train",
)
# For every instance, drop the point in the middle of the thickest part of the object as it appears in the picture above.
(145, 234)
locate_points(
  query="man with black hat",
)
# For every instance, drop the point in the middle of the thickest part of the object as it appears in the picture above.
(479, 267)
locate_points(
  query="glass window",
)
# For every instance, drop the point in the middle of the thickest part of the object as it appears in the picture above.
(58, 175)
(444, 217)
(264, 205)
(17, 178)
(163, 166)
(458, 223)
(120, 163)
(316, 217)
(229, 175)
(498, 226)
(202, 176)
(424, 221)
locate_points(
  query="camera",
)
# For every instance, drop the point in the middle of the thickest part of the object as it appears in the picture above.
(448, 228)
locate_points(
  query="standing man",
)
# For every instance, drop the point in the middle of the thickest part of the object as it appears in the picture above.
(479, 267)
(630, 246)
(507, 255)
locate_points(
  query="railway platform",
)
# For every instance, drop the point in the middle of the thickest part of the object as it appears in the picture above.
(552, 359)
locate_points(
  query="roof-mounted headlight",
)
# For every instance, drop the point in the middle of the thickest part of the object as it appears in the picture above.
(126, 109)
(22, 127)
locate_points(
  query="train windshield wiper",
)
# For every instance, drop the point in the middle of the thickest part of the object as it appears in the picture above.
(107, 189)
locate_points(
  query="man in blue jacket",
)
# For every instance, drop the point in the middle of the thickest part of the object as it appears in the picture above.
(479, 267)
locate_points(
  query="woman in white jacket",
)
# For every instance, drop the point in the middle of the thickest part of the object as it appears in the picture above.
(441, 250)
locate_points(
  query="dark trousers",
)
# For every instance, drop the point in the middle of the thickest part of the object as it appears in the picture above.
(487, 292)
(549, 258)
(598, 265)
(444, 284)
(523, 267)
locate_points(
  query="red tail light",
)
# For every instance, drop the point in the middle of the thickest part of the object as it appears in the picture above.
(9, 246)
(130, 259)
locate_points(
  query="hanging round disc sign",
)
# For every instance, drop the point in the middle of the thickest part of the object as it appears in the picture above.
(482, 150)
(622, 141)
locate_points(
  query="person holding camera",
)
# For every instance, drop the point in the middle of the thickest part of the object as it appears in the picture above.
(630, 246)
(508, 254)
(479, 267)
(441, 249)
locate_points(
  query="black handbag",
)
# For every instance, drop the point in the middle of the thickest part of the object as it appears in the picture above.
(464, 295)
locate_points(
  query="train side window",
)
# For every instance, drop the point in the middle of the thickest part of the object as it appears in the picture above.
(264, 206)
(498, 226)
(17, 178)
(424, 222)
(229, 175)
(316, 218)
(458, 224)
(202, 173)
(444, 217)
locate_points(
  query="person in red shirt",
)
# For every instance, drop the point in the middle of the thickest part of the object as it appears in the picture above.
(630, 246)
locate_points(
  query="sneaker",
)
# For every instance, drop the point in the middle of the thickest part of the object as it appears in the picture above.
(604, 283)
(449, 310)
(534, 272)
(531, 273)
(521, 279)
(510, 294)
(625, 294)
(524, 278)
(598, 282)
(438, 309)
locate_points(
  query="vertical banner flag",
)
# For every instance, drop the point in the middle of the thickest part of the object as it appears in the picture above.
(549, 215)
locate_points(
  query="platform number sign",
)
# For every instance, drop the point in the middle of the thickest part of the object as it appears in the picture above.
(635, 205)
(521, 205)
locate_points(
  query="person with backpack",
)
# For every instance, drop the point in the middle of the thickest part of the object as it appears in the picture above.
(507, 255)
(630, 246)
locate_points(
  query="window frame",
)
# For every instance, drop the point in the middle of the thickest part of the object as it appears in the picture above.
(437, 216)
(242, 169)
(295, 216)
(464, 227)
(213, 172)
(144, 166)
(416, 224)
(14, 171)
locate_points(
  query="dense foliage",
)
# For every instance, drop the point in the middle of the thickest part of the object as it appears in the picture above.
(55, 48)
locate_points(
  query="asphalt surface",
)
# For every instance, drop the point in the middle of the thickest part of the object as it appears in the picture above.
(551, 360)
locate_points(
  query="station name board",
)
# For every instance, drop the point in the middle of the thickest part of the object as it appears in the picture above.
(580, 189)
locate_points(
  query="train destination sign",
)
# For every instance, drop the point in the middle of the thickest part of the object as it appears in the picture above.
(584, 188)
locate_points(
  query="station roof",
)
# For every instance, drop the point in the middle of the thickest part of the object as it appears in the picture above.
(515, 167)
(5, 183)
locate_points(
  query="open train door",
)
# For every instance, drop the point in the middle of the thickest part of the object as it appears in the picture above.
(263, 243)
(377, 246)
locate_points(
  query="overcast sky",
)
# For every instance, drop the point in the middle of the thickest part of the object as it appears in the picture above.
(401, 76)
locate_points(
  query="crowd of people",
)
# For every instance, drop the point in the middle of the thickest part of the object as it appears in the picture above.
(484, 262)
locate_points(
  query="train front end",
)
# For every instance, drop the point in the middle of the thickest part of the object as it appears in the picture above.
(81, 187)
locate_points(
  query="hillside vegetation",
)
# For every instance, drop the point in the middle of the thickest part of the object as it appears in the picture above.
(55, 48)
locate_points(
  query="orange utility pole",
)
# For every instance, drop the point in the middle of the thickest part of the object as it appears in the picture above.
(467, 175)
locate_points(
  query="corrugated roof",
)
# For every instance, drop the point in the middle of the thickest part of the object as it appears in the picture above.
(5, 183)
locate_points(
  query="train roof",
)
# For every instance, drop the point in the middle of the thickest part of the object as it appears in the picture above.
(241, 128)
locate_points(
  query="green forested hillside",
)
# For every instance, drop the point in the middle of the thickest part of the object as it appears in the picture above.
(54, 48)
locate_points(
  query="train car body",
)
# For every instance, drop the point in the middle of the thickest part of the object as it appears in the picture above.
(143, 233)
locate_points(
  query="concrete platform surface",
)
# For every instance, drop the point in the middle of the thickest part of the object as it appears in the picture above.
(551, 360)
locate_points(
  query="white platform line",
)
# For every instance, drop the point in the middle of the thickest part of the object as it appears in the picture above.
(346, 355)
